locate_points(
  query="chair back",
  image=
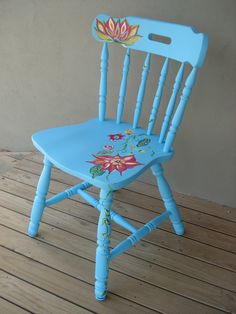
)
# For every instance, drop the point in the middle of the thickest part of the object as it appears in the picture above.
(171, 41)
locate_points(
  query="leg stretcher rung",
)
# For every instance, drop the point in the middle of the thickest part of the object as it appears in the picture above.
(138, 235)
(67, 193)
(118, 219)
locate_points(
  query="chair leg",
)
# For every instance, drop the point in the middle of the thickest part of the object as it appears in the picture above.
(40, 198)
(103, 241)
(168, 200)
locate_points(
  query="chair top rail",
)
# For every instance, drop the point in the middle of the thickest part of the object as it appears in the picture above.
(179, 42)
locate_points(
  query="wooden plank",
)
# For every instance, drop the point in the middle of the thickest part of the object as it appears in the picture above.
(202, 235)
(6, 163)
(7, 307)
(156, 255)
(140, 214)
(170, 280)
(33, 298)
(148, 251)
(181, 245)
(188, 201)
(152, 203)
(80, 268)
(191, 202)
(67, 287)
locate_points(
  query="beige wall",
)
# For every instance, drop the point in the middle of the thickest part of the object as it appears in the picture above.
(49, 76)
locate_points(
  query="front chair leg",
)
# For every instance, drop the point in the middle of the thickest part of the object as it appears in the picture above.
(40, 198)
(168, 199)
(103, 241)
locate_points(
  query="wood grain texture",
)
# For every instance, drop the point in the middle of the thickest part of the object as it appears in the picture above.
(33, 298)
(183, 245)
(190, 202)
(64, 252)
(134, 200)
(8, 307)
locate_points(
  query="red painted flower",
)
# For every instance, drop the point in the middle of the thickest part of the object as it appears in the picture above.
(116, 137)
(118, 31)
(110, 147)
(118, 163)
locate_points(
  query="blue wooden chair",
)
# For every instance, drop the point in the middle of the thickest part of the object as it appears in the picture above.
(111, 153)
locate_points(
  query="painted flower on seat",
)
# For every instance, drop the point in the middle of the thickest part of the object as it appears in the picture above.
(116, 137)
(119, 31)
(118, 163)
(110, 147)
(129, 132)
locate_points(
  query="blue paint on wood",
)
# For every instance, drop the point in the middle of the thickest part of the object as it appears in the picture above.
(187, 44)
(103, 241)
(178, 116)
(171, 104)
(168, 199)
(157, 98)
(123, 87)
(110, 153)
(119, 220)
(67, 193)
(138, 235)
(40, 198)
(141, 90)
(70, 148)
(103, 82)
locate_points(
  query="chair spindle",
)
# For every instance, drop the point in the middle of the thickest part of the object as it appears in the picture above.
(103, 82)
(171, 104)
(178, 116)
(157, 98)
(123, 87)
(141, 90)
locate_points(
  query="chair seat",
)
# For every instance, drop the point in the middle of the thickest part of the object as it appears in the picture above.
(101, 153)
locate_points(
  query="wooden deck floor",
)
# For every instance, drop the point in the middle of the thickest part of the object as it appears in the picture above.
(164, 273)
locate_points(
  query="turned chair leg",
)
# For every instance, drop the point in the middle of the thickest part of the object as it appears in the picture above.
(103, 241)
(40, 198)
(168, 199)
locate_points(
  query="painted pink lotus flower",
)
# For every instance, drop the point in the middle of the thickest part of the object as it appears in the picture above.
(119, 31)
(118, 163)
(109, 147)
(116, 137)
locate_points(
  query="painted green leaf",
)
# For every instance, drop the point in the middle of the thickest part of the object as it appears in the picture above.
(104, 152)
(143, 142)
(96, 171)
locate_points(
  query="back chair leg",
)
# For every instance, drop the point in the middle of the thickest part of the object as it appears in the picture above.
(103, 241)
(40, 198)
(168, 199)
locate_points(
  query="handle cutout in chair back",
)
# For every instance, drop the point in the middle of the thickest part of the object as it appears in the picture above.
(179, 42)
(159, 38)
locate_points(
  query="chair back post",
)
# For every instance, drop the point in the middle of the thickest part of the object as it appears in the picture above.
(178, 116)
(103, 82)
(141, 91)
(171, 104)
(176, 42)
(123, 87)
(157, 98)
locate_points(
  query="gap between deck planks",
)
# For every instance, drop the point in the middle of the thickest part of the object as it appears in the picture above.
(33, 298)
(151, 252)
(64, 285)
(128, 265)
(82, 268)
(188, 201)
(191, 216)
(11, 308)
(165, 239)
(201, 235)
(121, 266)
